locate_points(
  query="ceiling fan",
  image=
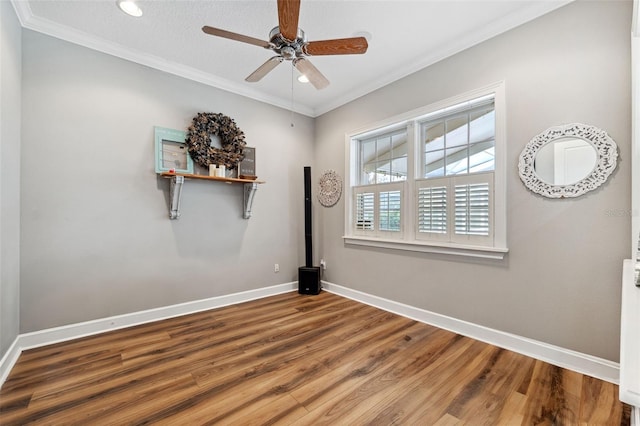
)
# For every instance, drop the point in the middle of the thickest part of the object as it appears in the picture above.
(290, 43)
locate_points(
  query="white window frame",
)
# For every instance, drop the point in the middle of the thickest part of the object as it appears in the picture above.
(496, 248)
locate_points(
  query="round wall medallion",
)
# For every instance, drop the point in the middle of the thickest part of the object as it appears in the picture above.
(329, 188)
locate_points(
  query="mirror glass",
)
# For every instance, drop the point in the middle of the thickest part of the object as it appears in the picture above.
(565, 161)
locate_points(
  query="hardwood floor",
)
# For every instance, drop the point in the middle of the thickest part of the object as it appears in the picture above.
(296, 360)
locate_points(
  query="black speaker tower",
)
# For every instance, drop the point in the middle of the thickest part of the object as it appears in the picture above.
(308, 275)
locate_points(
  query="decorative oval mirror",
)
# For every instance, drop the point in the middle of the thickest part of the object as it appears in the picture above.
(567, 161)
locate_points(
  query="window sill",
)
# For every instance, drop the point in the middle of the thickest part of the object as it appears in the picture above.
(426, 247)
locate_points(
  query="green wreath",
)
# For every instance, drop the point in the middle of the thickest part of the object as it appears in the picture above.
(198, 140)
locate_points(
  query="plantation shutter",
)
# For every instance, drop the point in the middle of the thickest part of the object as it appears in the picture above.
(378, 210)
(472, 209)
(390, 211)
(472, 213)
(432, 209)
(456, 209)
(365, 211)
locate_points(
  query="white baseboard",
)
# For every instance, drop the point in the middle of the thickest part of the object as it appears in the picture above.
(576, 361)
(582, 363)
(9, 359)
(88, 328)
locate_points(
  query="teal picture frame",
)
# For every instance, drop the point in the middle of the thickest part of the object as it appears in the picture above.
(171, 151)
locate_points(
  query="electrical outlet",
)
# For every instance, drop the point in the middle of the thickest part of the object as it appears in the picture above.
(276, 268)
(323, 264)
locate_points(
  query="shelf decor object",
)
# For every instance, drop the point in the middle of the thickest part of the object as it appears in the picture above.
(247, 167)
(177, 181)
(206, 125)
(329, 188)
(171, 151)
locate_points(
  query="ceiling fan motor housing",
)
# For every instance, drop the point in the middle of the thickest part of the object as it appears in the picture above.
(289, 50)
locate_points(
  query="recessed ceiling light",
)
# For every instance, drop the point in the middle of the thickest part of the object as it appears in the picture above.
(303, 79)
(129, 7)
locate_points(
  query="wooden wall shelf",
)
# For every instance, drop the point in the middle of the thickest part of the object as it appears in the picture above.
(177, 180)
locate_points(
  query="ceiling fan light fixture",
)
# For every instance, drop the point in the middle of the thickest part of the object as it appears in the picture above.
(130, 8)
(303, 78)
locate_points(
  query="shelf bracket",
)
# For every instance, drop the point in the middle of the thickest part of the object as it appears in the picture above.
(177, 182)
(175, 193)
(249, 193)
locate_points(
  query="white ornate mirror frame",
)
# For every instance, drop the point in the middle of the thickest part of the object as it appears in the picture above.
(607, 155)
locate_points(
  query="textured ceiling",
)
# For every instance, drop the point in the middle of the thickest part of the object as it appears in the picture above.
(405, 36)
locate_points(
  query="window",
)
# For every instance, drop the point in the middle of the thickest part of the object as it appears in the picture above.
(382, 164)
(432, 179)
(383, 158)
(461, 143)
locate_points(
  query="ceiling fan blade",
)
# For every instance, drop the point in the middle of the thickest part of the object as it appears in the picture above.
(288, 13)
(339, 46)
(235, 36)
(264, 69)
(315, 77)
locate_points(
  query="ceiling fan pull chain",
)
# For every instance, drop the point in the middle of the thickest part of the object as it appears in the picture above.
(292, 77)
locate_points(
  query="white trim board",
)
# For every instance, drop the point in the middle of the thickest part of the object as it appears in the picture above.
(9, 359)
(582, 363)
(54, 29)
(88, 328)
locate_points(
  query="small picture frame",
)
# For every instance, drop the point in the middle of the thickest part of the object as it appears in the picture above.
(171, 151)
(247, 167)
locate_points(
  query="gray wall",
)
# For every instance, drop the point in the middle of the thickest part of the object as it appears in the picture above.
(560, 282)
(10, 84)
(96, 238)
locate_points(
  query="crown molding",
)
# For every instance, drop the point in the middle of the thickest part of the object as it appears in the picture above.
(513, 20)
(29, 21)
(53, 29)
(23, 10)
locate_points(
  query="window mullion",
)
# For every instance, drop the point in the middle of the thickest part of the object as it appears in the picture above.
(376, 210)
(451, 209)
(410, 200)
(376, 166)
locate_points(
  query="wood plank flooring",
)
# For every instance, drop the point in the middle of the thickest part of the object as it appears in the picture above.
(296, 360)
